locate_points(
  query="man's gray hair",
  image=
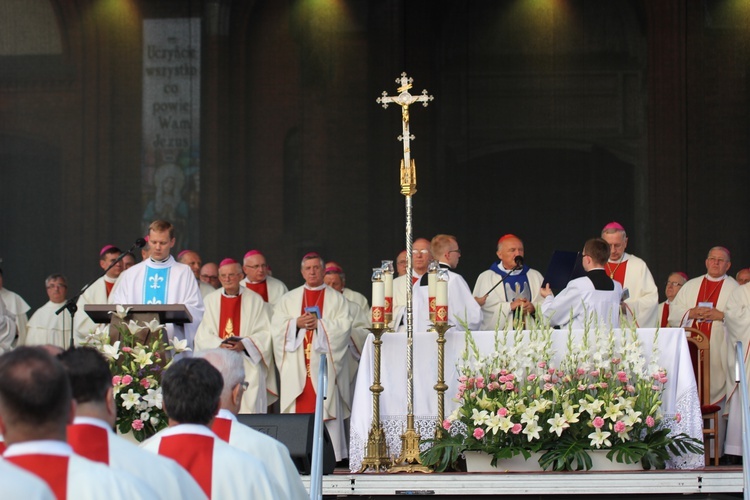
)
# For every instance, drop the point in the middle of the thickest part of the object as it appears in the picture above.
(229, 364)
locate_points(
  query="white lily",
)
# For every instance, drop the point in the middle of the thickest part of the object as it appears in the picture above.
(134, 327)
(180, 345)
(142, 357)
(120, 311)
(599, 438)
(153, 325)
(153, 398)
(111, 351)
(130, 399)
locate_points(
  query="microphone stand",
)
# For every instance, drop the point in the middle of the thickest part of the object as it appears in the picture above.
(71, 304)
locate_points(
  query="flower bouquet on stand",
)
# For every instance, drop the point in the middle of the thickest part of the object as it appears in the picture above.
(137, 368)
(599, 396)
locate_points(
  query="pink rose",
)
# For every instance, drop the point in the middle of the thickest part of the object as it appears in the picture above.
(502, 379)
(531, 377)
(598, 422)
(542, 364)
(493, 376)
(478, 433)
(603, 385)
(116, 380)
(447, 424)
(480, 383)
(503, 412)
(463, 378)
(517, 428)
(655, 387)
(509, 386)
(503, 372)
(510, 376)
(630, 389)
(145, 383)
(616, 361)
(580, 371)
(581, 387)
(622, 376)
(548, 387)
(678, 418)
(608, 375)
(594, 373)
(619, 426)
(650, 421)
(127, 349)
(137, 424)
(546, 377)
(551, 371)
(126, 380)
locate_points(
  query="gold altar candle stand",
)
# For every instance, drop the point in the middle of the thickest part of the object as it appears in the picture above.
(441, 327)
(376, 449)
(409, 460)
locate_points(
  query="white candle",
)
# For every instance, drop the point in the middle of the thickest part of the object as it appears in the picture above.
(388, 284)
(378, 294)
(441, 294)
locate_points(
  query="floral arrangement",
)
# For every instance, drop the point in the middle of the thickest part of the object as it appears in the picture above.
(137, 369)
(601, 396)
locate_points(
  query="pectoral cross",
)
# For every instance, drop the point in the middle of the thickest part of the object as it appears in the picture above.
(405, 99)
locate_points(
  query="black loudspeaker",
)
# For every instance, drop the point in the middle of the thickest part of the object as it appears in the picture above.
(295, 430)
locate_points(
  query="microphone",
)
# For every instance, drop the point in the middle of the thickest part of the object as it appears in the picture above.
(140, 243)
(519, 262)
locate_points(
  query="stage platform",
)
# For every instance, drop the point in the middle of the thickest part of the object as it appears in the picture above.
(712, 482)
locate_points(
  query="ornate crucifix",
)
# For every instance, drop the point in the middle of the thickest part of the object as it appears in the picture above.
(409, 460)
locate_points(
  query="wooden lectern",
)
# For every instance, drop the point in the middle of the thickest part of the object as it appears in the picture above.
(143, 313)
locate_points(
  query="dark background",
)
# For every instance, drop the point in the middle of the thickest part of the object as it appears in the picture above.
(551, 118)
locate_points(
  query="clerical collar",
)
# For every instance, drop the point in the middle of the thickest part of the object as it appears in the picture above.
(506, 271)
(160, 261)
(720, 278)
(225, 294)
(315, 288)
(109, 280)
(254, 282)
(443, 265)
(624, 257)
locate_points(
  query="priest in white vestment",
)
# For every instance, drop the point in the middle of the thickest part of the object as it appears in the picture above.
(270, 451)
(632, 273)
(46, 327)
(91, 435)
(307, 322)
(736, 329)
(593, 299)
(238, 319)
(36, 408)
(701, 304)
(161, 280)
(421, 258)
(675, 282)
(519, 287)
(191, 393)
(17, 307)
(98, 292)
(191, 259)
(258, 280)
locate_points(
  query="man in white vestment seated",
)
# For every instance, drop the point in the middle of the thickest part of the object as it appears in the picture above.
(592, 299)
(191, 390)
(401, 263)
(46, 327)
(701, 304)
(238, 319)
(307, 322)
(161, 280)
(91, 435)
(632, 273)
(743, 276)
(674, 283)
(191, 259)
(270, 451)
(737, 329)
(98, 292)
(210, 274)
(16, 306)
(519, 288)
(421, 258)
(258, 278)
(35, 408)
(462, 307)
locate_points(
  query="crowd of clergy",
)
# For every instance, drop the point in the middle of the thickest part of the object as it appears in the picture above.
(278, 334)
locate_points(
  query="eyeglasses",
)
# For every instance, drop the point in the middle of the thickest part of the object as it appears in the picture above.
(50, 287)
(245, 385)
(229, 276)
(424, 251)
(458, 251)
(674, 283)
(209, 277)
(257, 266)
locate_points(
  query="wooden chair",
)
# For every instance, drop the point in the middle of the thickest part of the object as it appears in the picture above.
(709, 412)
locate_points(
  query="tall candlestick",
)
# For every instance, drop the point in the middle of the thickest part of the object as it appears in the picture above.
(378, 297)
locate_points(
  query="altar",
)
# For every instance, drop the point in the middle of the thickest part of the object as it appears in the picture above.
(679, 396)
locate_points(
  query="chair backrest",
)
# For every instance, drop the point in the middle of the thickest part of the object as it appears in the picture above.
(703, 376)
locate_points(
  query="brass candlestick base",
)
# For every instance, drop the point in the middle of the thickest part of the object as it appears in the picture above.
(409, 460)
(376, 449)
(441, 327)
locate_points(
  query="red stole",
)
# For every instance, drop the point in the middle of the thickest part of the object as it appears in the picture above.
(89, 441)
(665, 315)
(305, 402)
(709, 292)
(195, 453)
(229, 317)
(53, 469)
(259, 288)
(617, 271)
(222, 427)
(108, 286)
(414, 279)
(2, 447)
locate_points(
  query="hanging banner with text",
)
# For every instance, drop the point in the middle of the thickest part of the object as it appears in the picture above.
(171, 125)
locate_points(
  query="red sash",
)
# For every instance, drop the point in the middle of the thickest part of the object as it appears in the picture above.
(305, 402)
(665, 315)
(195, 453)
(89, 441)
(53, 469)
(617, 271)
(229, 316)
(259, 288)
(222, 427)
(109, 286)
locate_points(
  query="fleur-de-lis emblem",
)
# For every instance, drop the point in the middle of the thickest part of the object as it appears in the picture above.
(153, 301)
(155, 279)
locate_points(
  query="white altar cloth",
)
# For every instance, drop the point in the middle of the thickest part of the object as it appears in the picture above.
(680, 394)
